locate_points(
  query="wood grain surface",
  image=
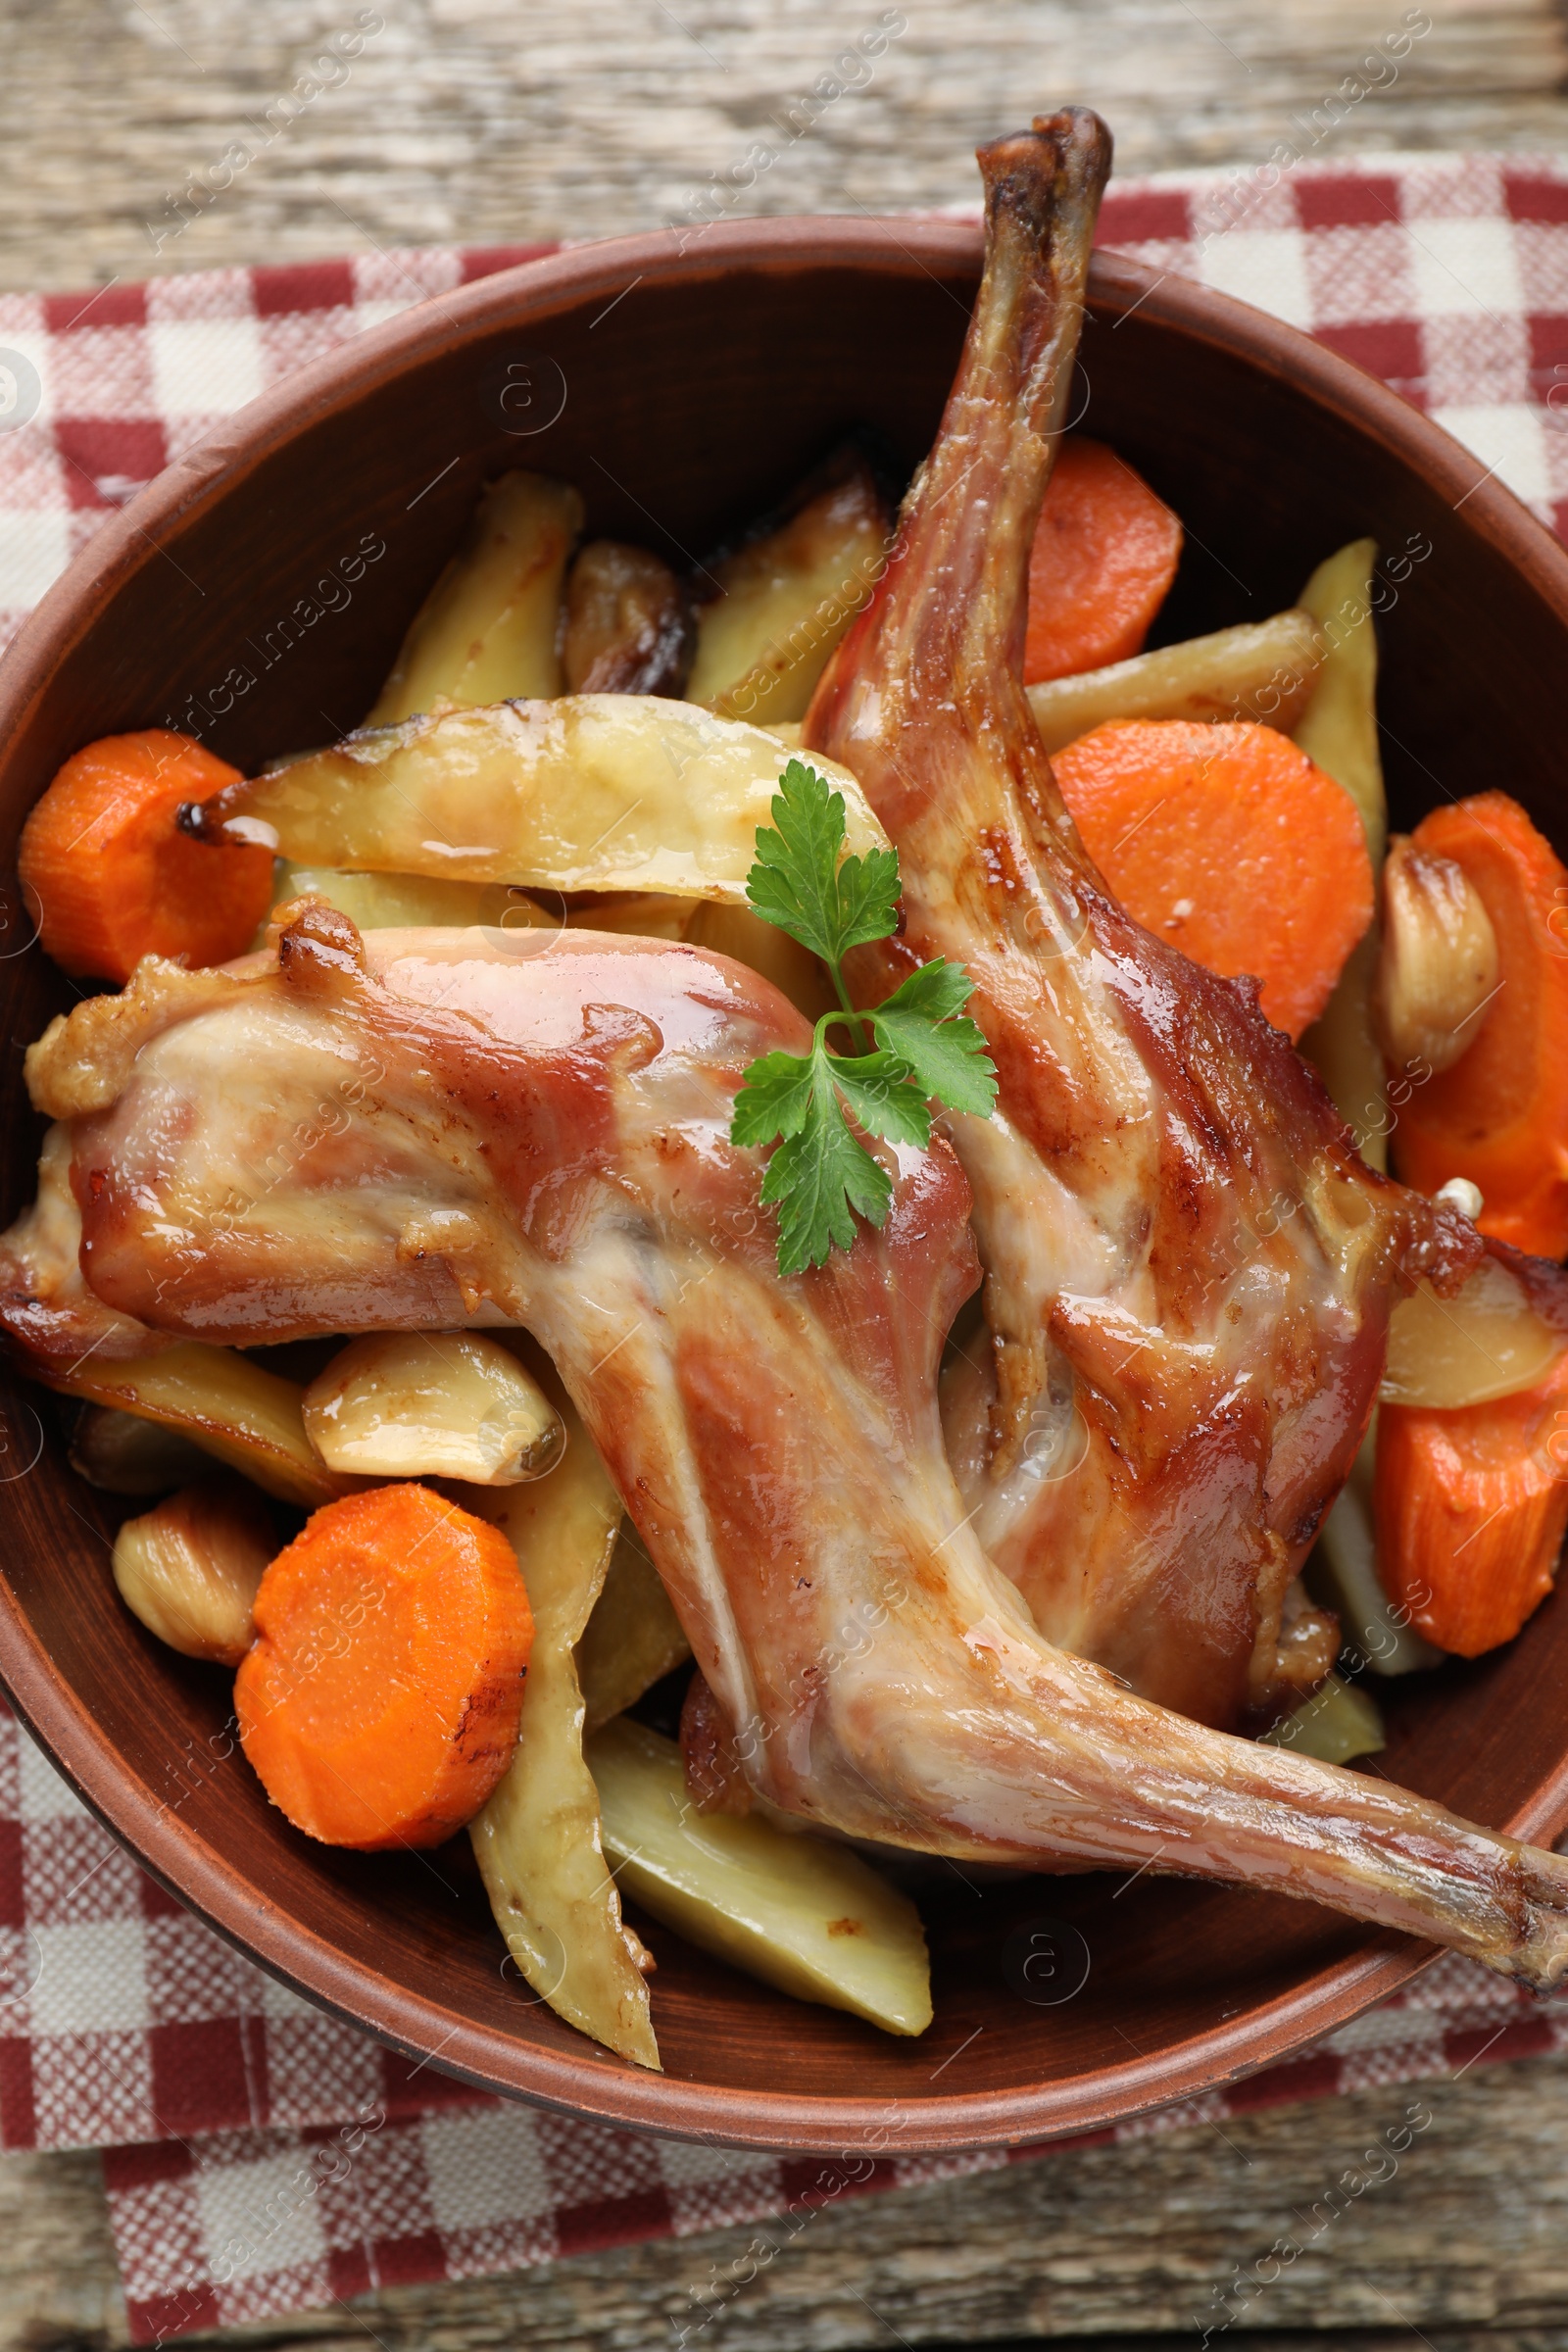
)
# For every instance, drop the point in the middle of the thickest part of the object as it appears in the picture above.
(495, 120)
(1465, 2246)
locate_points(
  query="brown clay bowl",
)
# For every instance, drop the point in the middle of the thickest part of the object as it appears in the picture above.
(689, 403)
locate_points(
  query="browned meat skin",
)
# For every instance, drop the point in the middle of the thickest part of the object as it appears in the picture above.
(1188, 1269)
(454, 1128)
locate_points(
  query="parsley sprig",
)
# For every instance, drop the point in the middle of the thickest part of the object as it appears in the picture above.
(924, 1046)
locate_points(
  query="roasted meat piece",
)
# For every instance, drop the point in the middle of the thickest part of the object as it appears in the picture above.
(1188, 1269)
(431, 1129)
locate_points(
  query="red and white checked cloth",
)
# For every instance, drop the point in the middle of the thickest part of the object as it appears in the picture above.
(260, 2157)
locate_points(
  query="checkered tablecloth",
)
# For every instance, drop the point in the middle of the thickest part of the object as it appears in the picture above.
(260, 2157)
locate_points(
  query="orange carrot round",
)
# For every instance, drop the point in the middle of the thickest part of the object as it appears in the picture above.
(1105, 553)
(380, 1705)
(1227, 842)
(113, 877)
(1499, 1113)
(1470, 1507)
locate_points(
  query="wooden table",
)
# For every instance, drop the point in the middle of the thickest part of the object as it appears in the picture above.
(490, 121)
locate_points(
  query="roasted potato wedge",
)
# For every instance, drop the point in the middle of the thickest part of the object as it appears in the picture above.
(597, 792)
(433, 1404)
(784, 599)
(1343, 1047)
(804, 1915)
(406, 902)
(1336, 1724)
(633, 1638)
(487, 630)
(636, 914)
(724, 929)
(793, 969)
(1338, 730)
(629, 626)
(224, 1404)
(1264, 671)
(1344, 1576)
(538, 1840)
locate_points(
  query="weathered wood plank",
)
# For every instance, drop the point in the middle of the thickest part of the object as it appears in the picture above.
(489, 120)
(1467, 2235)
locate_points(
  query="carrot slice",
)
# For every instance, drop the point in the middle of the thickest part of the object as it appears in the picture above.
(112, 876)
(1470, 1507)
(1105, 553)
(379, 1705)
(1499, 1113)
(1228, 842)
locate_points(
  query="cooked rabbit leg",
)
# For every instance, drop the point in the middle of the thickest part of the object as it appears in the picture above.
(1188, 1270)
(438, 1128)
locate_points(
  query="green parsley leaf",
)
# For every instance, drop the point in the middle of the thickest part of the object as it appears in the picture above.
(821, 1176)
(945, 1054)
(798, 883)
(774, 1099)
(879, 1090)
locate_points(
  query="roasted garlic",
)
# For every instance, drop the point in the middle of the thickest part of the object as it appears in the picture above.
(433, 1404)
(1439, 959)
(190, 1569)
(1488, 1341)
(629, 627)
(126, 1455)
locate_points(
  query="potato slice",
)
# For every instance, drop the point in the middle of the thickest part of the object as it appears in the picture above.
(1335, 1724)
(1489, 1340)
(1344, 1576)
(793, 969)
(231, 1408)
(122, 1456)
(190, 1569)
(636, 914)
(1339, 728)
(628, 623)
(784, 600)
(633, 1638)
(538, 1841)
(1343, 1048)
(487, 630)
(1264, 671)
(807, 1916)
(433, 1404)
(407, 902)
(618, 792)
(724, 929)
(1339, 732)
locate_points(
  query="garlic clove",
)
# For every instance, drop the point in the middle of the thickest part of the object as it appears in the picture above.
(190, 1568)
(433, 1404)
(1488, 1341)
(1438, 960)
(124, 1454)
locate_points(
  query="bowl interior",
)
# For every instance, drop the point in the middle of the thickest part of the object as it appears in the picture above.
(256, 598)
